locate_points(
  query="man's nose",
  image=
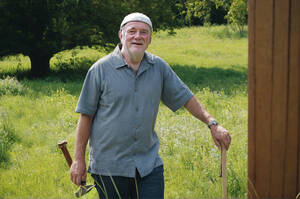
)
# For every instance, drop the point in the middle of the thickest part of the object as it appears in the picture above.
(138, 35)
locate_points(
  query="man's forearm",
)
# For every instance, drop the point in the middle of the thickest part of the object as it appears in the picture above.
(198, 111)
(82, 136)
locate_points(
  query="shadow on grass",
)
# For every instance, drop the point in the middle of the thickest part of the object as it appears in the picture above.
(71, 79)
(215, 78)
(68, 76)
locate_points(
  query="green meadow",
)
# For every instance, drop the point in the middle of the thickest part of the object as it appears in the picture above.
(36, 114)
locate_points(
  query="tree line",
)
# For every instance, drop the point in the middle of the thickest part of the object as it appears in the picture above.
(41, 28)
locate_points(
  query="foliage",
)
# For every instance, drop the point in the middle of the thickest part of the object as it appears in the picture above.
(10, 86)
(8, 137)
(237, 15)
(41, 28)
(214, 68)
(223, 3)
(216, 12)
(203, 12)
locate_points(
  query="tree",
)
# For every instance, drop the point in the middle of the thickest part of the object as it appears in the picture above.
(199, 12)
(238, 14)
(41, 28)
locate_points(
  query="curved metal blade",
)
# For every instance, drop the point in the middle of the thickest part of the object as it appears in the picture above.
(83, 190)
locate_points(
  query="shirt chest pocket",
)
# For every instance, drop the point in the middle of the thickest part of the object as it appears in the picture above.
(150, 86)
(115, 90)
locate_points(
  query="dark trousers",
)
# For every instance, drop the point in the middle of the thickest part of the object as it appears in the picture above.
(117, 187)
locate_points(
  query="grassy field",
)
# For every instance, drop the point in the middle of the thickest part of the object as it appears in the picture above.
(36, 114)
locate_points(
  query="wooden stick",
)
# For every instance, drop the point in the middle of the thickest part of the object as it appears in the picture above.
(223, 170)
(63, 146)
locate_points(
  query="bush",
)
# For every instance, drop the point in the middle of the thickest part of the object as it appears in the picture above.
(11, 86)
(73, 63)
(238, 15)
(7, 138)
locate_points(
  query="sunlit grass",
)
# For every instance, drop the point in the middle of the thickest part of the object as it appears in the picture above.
(197, 46)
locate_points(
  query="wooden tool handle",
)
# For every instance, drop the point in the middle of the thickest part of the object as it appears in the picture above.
(223, 173)
(63, 146)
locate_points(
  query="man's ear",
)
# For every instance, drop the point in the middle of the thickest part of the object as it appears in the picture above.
(120, 34)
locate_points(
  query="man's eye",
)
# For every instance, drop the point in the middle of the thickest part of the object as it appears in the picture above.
(131, 31)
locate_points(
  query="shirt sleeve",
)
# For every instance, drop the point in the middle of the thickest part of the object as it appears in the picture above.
(174, 93)
(90, 93)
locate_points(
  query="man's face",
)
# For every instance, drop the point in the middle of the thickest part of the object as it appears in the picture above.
(135, 37)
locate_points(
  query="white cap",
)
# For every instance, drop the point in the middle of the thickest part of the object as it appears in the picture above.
(136, 16)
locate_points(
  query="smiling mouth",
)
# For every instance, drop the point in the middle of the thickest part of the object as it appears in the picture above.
(139, 44)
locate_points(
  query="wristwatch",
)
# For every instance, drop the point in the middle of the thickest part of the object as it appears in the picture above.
(212, 123)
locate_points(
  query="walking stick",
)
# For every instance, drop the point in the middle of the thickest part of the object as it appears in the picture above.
(223, 172)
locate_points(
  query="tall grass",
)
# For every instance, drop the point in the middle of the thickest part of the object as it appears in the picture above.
(40, 113)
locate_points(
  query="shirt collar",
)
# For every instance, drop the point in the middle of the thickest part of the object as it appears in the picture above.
(118, 61)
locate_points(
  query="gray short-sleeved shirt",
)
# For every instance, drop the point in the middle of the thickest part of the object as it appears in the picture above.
(125, 105)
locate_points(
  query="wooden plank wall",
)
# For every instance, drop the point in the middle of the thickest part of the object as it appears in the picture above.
(274, 99)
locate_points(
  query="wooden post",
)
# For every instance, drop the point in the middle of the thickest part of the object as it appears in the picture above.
(274, 99)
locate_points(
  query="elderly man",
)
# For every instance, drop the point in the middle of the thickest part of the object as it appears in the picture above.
(118, 104)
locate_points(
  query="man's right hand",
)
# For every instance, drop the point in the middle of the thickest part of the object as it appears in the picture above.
(78, 172)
